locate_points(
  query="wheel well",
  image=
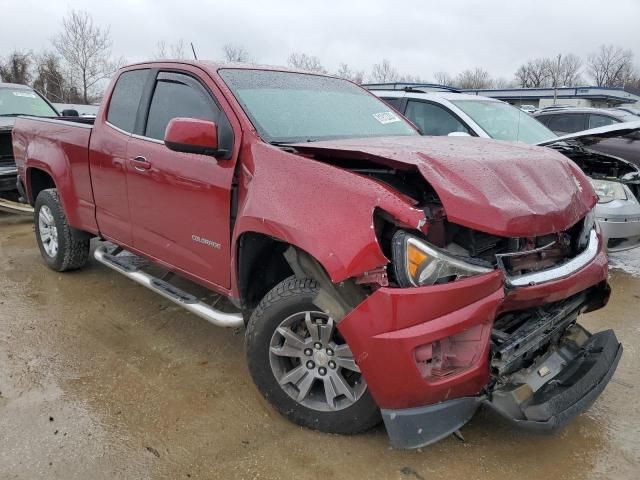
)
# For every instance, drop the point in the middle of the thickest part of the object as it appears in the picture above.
(261, 266)
(39, 180)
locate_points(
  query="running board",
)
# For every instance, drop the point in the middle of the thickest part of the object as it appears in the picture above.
(168, 291)
(15, 207)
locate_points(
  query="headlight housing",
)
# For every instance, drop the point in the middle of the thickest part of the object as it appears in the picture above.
(608, 191)
(588, 224)
(416, 263)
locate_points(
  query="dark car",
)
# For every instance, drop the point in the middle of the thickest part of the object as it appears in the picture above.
(571, 120)
(16, 100)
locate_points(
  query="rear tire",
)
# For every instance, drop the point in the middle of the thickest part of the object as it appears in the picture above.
(59, 246)
(301, 364)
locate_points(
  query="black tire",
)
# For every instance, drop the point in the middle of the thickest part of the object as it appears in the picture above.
(290, 297)
(72, 252)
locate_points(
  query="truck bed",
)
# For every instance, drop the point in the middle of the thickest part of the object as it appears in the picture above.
(58, 148)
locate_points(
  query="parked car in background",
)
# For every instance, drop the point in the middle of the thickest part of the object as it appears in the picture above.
(381, 274)
(571, 120)
(579, 119)
(616, 181)
(16, 100)
(82, 110)
(528, 108)
(632, 110)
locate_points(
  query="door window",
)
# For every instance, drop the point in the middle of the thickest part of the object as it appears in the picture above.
(596, 121)
(178, 95)
(567, 123)
(432, 119)
(125, 99)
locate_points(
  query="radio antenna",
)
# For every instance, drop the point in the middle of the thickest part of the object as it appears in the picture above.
(194, 51)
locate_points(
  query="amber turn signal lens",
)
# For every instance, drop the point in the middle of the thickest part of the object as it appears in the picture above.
(415, 258)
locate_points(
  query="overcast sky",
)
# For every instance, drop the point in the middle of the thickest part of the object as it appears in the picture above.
(418, 37)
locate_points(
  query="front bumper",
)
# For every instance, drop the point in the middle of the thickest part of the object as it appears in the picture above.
(573, 391)
(620, 224)
(393, 334)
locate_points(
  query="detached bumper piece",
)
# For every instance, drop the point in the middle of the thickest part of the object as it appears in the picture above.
(420, 426)
(561, 384)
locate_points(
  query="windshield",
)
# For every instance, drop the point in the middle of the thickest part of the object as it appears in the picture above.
(294, 107)
(505, 122)
(20, 101)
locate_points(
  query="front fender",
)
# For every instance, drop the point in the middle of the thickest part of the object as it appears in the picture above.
(324, 210)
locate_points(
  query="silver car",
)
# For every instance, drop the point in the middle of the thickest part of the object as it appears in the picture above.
(438, 111)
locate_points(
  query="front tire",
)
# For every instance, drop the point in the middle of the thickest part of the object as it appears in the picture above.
(59, 247)
(301, 364)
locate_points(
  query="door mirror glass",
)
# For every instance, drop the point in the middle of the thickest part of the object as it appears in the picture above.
(70, 113)
(192, 135)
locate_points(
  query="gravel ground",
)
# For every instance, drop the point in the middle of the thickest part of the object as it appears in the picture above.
(100, 378)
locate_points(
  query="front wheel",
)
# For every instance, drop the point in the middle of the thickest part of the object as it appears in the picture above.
(58, 245)
(302, 365)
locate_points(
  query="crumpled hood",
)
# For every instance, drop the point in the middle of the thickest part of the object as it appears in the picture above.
(502, 188)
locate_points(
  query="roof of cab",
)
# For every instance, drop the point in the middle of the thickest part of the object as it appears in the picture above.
(211, 65)
(15, 86)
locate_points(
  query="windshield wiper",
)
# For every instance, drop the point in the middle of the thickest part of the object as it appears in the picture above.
(280, 143)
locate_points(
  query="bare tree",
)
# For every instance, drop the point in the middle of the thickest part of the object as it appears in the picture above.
(533, 74)
(383, 72)
(571, 70)
(175, 50)
(236, 53)
(306, 62)
(356, 76)
(443, 78)
(16, 68)
(476, 78)
(610, 66)
(563, 70)
(502, 82)
(50, 79)
(86, 50)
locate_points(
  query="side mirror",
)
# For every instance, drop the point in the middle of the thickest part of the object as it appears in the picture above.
(458, 134)
(70, 113)
(192, 135)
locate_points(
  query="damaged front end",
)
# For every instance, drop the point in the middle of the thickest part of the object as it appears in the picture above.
(479, 303)
(545, 367)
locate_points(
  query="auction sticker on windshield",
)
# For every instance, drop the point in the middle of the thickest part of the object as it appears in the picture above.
(24, 94)
(386, 117)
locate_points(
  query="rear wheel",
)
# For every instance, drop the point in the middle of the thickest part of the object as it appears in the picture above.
(303, 366)
(58, 245)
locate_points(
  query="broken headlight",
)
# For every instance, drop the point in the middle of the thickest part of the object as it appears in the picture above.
(608, 191)
(417, 263)
(588, 224)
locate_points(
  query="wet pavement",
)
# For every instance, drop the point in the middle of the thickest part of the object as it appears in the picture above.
(100, 378)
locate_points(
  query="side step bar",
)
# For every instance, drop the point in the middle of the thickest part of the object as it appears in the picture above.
(15, 207)
(168, 291)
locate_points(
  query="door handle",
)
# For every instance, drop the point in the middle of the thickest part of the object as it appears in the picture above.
(140, 163)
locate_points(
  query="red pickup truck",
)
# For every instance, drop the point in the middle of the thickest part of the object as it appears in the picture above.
(380, 274)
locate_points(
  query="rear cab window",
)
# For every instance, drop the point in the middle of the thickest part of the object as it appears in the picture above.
(125, 99)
